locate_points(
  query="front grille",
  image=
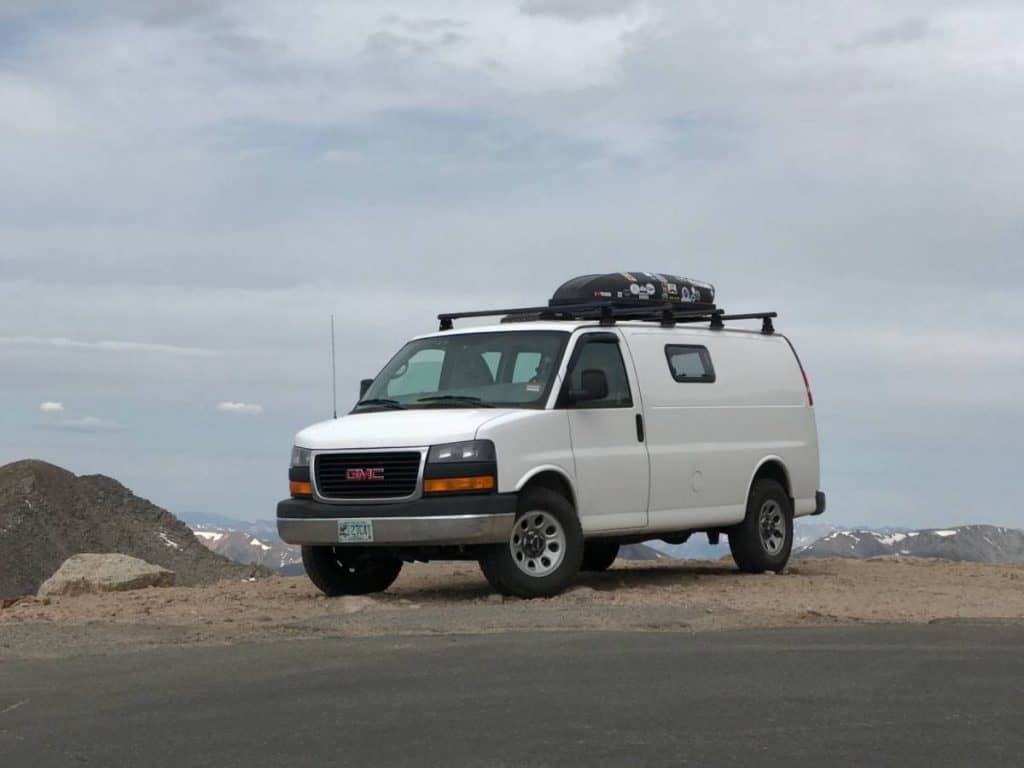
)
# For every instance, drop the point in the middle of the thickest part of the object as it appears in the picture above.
(371, 475)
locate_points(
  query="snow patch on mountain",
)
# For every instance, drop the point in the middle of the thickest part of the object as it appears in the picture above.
(241, 545)
(168, 541)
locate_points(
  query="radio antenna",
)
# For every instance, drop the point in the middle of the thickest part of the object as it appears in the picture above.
(334, 372)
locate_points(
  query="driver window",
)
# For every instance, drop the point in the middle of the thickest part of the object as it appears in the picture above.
(604, 356)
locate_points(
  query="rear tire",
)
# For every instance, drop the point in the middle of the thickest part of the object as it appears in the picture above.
(598, 555)
(544, 550)
(349, 570)
(762, 542)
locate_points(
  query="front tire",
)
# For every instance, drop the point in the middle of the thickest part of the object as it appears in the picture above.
(544, 550)
(762, 542)
(349, 570)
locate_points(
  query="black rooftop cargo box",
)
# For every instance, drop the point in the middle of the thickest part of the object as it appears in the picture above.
(632, 288)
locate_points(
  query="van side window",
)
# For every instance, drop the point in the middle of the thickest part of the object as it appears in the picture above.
(690, 364)
(606, 357)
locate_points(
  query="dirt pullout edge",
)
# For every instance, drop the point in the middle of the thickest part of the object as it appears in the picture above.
(446, 598)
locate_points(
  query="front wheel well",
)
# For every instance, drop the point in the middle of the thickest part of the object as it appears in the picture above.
(553, 481)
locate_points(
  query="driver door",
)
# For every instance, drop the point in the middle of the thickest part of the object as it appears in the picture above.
(612, 474)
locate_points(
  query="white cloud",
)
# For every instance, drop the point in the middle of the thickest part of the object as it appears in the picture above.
(87, 424)
(248, 409)
(105, 345)
(51, 407)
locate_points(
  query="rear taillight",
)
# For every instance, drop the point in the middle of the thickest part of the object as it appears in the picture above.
(807, 386)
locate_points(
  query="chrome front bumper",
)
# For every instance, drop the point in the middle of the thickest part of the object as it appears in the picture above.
(406, 531)
(468, 519)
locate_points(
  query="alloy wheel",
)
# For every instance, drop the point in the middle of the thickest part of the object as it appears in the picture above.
(537, 543)
(771, 523)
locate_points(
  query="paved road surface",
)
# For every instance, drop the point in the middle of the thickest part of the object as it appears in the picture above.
(945, 694)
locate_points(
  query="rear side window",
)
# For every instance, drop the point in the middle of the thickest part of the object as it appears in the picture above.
(690, 364)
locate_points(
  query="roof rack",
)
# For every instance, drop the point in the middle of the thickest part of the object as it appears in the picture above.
(667, 314)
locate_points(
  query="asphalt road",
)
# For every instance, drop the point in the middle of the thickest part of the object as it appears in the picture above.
(942, 694)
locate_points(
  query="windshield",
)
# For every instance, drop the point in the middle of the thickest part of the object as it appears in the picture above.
(511, 369)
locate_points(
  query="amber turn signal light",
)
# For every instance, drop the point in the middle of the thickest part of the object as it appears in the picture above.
(300, 489)
(453, 484)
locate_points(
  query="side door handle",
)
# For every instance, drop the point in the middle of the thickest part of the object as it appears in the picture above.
(640, 427)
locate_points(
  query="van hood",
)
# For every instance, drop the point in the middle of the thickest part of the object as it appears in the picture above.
(398, 429)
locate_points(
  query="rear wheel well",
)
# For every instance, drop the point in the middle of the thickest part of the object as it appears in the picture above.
(772, 470)
(552, 481)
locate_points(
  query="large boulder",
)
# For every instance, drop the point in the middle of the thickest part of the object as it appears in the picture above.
(111, 572)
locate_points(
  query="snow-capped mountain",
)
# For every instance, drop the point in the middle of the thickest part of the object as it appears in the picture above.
(244, 547)
(257, 542)
(805, 532)
(971, 543)
(270, 551)
(640, 552)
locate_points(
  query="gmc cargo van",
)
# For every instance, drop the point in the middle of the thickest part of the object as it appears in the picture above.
(629, 408)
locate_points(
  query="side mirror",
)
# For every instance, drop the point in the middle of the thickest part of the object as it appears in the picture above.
(364, 385)
(594, 386)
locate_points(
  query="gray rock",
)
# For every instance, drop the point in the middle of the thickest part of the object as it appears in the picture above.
(111, 572)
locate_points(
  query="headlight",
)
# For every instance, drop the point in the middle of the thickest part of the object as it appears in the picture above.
(470, 450)
(300, 456)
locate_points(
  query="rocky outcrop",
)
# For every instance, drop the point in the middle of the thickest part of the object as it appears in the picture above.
(109, 572)
(48, 514)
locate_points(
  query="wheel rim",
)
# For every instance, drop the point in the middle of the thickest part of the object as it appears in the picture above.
(537, 543)
(772, 526)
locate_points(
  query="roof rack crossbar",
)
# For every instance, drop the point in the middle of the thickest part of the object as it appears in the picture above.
(605, 313)
(767, 326)
(567, 311)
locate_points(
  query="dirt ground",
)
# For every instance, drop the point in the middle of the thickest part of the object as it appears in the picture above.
(449, 598)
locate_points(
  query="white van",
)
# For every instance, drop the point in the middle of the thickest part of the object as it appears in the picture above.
(539, 445)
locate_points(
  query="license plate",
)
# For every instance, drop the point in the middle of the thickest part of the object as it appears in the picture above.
(350, 531)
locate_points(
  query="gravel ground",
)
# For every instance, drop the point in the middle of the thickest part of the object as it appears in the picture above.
(448, 598)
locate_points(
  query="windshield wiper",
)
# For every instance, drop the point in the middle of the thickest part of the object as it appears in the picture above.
(382, 401)
(454, 399)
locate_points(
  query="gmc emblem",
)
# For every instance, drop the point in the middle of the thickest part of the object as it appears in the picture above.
(355, 474)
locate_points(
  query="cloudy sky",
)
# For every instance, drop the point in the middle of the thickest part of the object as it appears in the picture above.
(189, 189)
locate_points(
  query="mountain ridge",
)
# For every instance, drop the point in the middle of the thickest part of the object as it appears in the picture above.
(48, 514)
(964, 543)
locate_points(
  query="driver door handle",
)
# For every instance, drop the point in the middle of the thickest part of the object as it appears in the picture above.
(640, 427)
